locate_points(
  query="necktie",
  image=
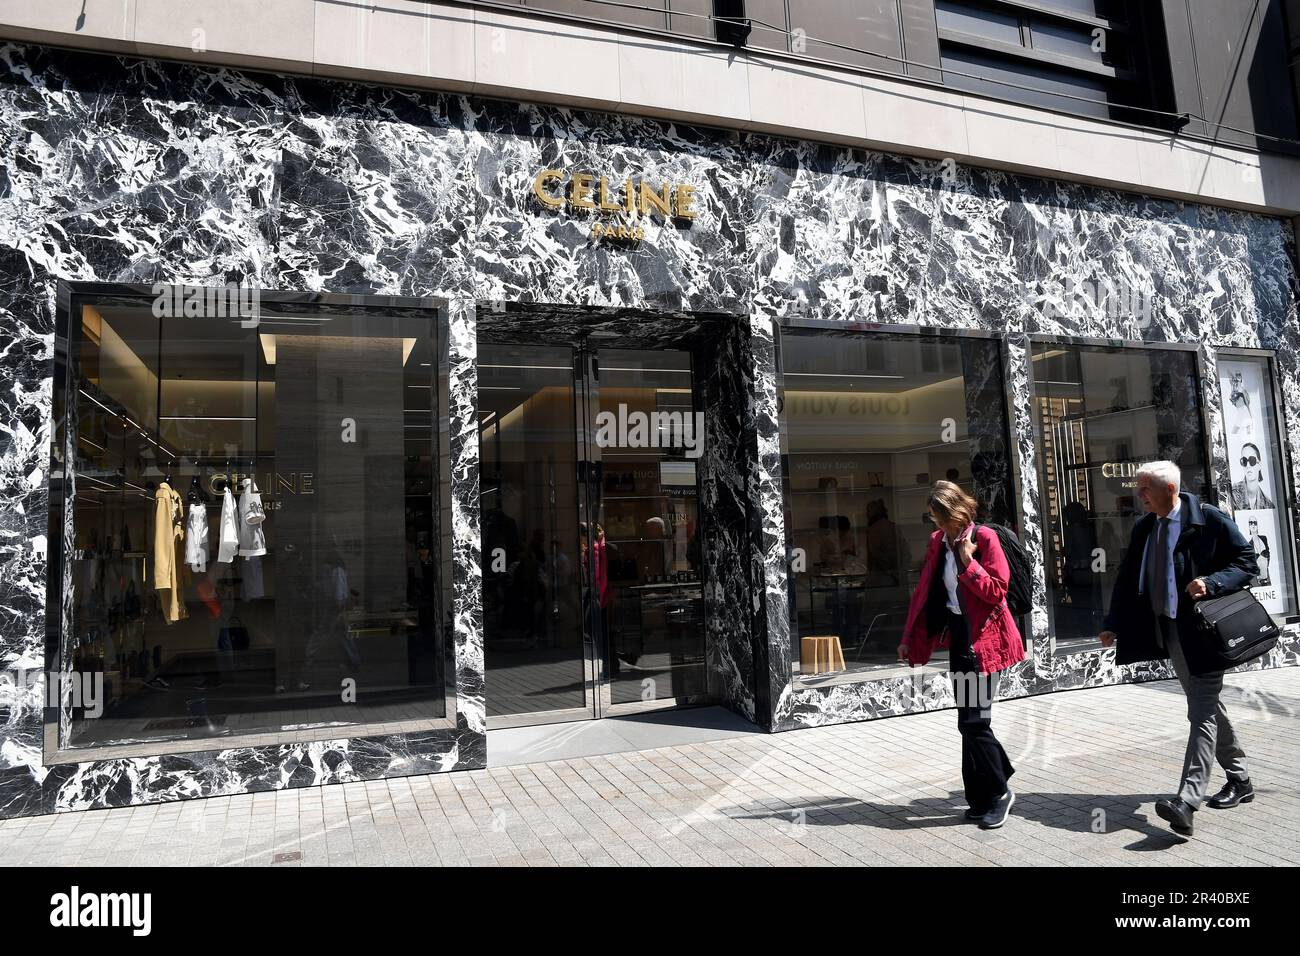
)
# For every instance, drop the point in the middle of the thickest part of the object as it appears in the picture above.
(1158, 570)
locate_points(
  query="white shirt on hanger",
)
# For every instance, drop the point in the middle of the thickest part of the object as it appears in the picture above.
(196, 537)
(228, 535)
(252, 537)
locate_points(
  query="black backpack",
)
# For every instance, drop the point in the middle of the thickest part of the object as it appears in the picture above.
(1020, 592)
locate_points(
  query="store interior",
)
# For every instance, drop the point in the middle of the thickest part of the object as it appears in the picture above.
(255, 523)
(590, 534)
(868, 425)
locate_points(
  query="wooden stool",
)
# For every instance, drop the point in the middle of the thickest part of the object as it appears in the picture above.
(824, 653)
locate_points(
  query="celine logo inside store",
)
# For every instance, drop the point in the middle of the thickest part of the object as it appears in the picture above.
(1120, 469)
(294, 483)
(633, 199)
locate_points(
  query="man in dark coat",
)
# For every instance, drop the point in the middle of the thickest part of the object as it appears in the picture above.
(1182, 551)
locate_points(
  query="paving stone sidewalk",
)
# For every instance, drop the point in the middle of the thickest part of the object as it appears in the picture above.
(1090, 764)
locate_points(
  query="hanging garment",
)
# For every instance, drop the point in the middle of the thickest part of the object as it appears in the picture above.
(228, 531)
(252, 537)
(168, 540)
(196, 538)
(252, 580)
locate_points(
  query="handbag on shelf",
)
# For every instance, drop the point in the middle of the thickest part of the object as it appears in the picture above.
(1233, 629)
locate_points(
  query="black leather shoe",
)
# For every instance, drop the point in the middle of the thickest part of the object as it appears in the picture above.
(973, 814)
(1233, 793)
(1177, 813)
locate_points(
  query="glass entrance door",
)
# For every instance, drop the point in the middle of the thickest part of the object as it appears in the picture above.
(649, 441)
(592, 598)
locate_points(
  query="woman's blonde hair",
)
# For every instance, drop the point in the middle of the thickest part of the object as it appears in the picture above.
(950, 503)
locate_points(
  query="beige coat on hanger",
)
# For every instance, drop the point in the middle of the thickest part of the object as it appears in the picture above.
(168, 541)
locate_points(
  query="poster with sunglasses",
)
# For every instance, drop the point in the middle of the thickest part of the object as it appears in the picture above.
(1250, 427)
(1261, 530)
(1249, 464)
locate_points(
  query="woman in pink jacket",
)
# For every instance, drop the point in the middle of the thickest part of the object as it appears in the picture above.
(960, 603)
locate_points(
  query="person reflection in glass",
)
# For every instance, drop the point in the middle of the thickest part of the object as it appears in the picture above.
(529, 591)
(1249, 492)
(885, 549)
(1080, 552)
(334, 598)
(595, 590)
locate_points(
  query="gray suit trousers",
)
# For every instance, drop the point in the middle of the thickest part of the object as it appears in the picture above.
(1211, 736)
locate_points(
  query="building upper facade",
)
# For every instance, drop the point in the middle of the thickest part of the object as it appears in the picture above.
(1177, 98)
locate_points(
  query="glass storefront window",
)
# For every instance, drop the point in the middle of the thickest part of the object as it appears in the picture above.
(255, 536)
(868, 423)
(1100, 413)
(1255, 468)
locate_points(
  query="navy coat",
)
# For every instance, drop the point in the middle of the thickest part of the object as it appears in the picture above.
(1210, 546)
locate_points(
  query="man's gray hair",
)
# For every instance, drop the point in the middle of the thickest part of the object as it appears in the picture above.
(1164, 472)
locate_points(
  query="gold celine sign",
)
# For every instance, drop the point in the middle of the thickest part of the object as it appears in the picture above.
(555, 189)
(1119, 469)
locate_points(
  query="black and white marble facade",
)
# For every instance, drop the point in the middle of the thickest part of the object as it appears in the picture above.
(768, 553)
(459, 362)
(122, 170)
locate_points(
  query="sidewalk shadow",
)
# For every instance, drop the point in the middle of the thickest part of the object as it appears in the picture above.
(1078, 813)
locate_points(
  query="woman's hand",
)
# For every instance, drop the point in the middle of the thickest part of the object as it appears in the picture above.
(903, 654)
(964, 547)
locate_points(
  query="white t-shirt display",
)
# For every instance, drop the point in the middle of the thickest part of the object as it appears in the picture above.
(252, 537)
(228, 536)
(196, 537)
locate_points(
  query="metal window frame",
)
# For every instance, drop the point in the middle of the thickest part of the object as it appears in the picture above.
(598, 682)
(71, 297)
(1028, 54)
(1116, 345)
(801, 326)
(1059, 13)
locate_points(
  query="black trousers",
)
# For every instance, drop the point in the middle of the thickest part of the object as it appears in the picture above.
(985, 767)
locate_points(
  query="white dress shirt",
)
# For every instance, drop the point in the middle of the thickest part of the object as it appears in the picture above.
(950, 573)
